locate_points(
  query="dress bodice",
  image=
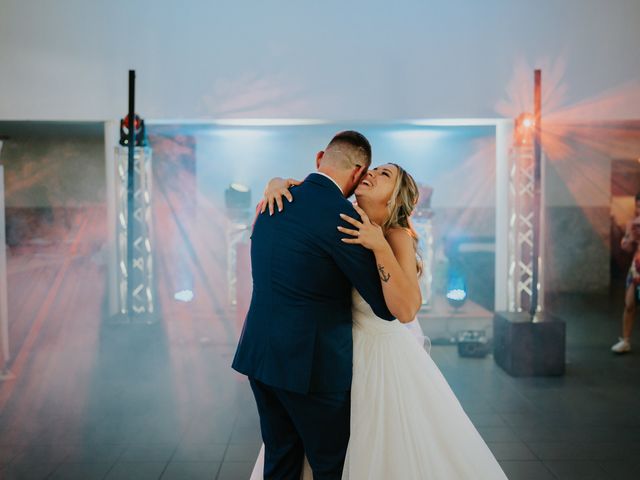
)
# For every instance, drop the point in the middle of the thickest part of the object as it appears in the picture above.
(365, 319)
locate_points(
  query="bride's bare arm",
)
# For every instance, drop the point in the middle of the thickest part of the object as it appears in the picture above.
(276, 189)
(399, 275)
(396, 261)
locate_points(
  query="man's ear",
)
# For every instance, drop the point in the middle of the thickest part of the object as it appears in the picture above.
(319, 156)
(358, 173)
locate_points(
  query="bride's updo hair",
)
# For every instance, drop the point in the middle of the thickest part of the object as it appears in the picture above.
(402, 203)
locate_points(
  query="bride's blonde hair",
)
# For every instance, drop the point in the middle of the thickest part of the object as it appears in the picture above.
(402, 203)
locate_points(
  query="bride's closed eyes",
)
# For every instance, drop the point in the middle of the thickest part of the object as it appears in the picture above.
(378, 184)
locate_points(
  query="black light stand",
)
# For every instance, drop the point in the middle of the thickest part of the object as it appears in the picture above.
(130, 181)
(537, 199)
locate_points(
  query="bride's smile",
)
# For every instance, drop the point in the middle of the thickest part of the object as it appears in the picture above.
(378, 182)
(375, 191)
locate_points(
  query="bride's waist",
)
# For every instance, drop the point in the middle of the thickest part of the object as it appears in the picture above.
(377, 326)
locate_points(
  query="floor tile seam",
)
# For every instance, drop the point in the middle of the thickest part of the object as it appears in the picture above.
(115, 462)
(226, 449)
(175, 449)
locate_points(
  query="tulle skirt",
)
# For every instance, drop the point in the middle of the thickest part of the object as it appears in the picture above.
(405, 420)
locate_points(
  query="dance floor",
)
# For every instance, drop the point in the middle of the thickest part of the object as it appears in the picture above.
(94, 399)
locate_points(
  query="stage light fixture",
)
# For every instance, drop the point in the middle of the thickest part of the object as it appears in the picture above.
(238, 201)
(139, 129)
(525, 129)
(239, 187)
(456, 289)
(184, 295)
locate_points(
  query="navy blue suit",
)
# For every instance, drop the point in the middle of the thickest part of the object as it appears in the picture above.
(296, 345)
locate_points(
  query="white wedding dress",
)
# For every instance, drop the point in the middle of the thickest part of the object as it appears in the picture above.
(406, 422)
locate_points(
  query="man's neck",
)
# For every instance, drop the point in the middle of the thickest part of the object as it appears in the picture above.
(341, 184)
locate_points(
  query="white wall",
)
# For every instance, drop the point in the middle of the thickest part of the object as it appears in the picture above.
(68, 59)
(458, 162)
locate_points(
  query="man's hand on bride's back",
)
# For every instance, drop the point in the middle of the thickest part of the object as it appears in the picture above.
(274, 192)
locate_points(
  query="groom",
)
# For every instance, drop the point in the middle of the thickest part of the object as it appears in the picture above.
(296, 345)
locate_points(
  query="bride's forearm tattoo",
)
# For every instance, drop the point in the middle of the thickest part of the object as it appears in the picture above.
(384, 276)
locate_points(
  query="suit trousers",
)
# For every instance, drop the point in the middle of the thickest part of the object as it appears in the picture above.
(295, 424)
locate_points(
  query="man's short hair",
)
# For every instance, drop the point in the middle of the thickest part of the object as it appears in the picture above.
(353, 140)
(638, 197)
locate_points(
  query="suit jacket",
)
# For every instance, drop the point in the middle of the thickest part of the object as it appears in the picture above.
(297, 333)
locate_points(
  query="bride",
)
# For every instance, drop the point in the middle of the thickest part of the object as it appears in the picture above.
(406, 422)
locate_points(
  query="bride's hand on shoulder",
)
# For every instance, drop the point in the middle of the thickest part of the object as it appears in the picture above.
(274, 192)
(366, 233)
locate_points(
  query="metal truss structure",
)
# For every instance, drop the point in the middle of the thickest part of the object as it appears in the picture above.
(138, 280)
(522, 284)
(521, 161)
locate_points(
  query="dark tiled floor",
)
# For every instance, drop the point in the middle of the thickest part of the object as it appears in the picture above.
(105, 401)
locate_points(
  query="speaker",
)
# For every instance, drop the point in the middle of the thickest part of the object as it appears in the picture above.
(525, 348)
